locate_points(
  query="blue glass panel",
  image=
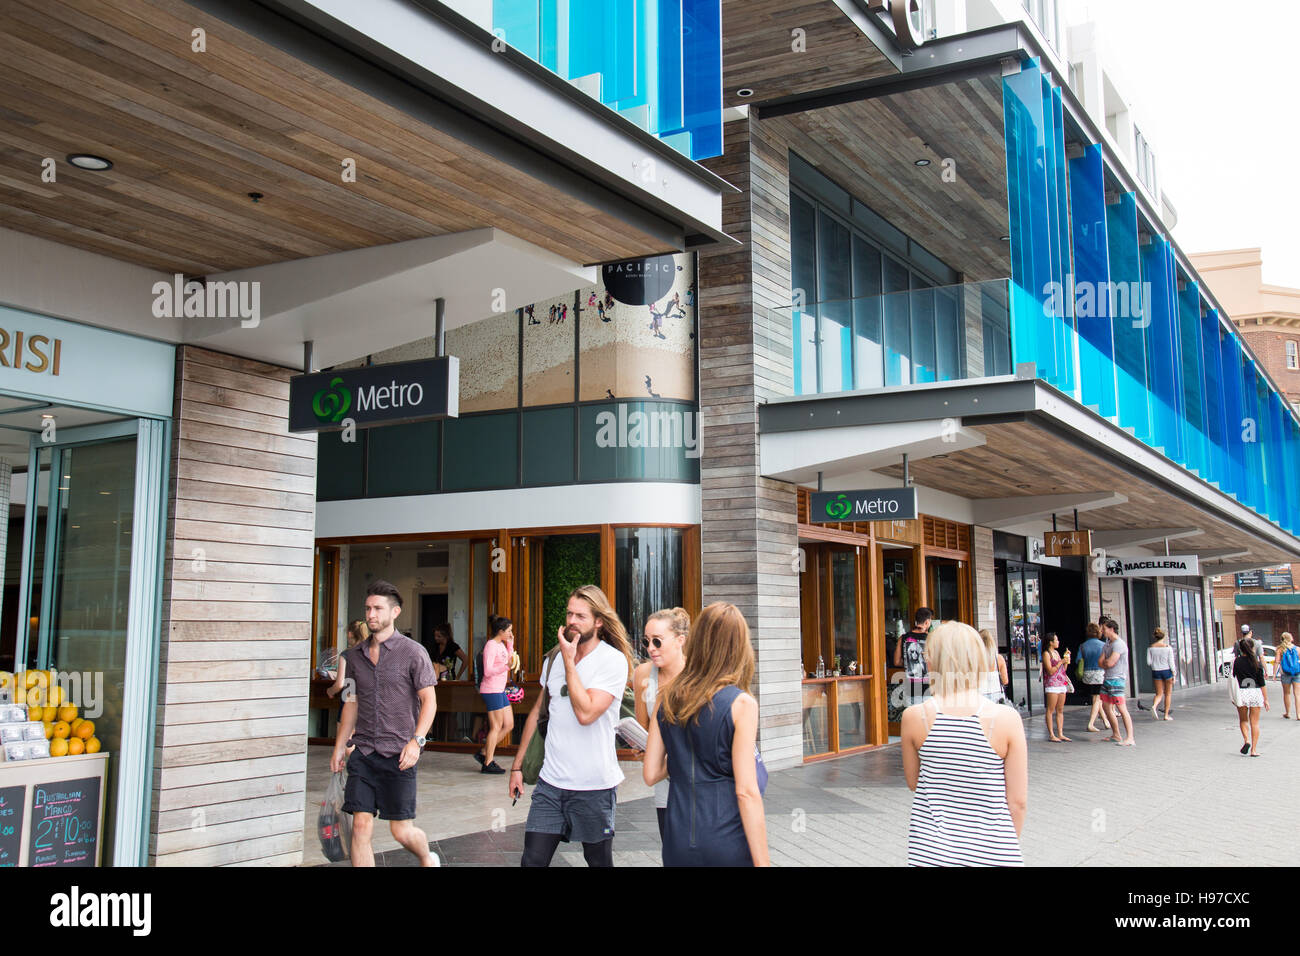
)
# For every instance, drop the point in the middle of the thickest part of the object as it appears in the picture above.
(950, 343)
(703, 76)
(1062, 324)
(1230, 370)
(1091, 296)
(1215, 405)
(868, 317)
(995, 317)
(1193, 363)
(1132, 397)
(923, 358)
(1161, 330)
(804, 337)
(658, 62)
(898, 332)
(1026, 136)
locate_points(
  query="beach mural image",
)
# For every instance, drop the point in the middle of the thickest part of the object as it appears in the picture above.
(489, 362)
(636, 334)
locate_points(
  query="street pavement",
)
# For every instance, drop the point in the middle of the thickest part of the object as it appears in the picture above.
(1176, 799)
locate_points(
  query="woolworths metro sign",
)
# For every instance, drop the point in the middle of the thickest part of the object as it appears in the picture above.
(375, 395)
(876, 504)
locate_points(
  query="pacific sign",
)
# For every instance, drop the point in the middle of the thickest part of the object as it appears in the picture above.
(873, 504)
(375, 395)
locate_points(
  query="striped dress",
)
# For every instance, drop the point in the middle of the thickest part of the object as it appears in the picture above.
(959, 813)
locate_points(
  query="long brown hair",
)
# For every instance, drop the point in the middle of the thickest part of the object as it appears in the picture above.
(721, 656)
(611, 629)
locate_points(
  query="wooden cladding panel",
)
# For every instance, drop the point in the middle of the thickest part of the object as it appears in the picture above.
(778, 48)
(237, 610)
(191, 134)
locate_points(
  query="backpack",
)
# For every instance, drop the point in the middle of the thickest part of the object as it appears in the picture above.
(1291, 661)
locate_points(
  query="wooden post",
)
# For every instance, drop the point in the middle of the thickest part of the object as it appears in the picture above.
(879, 690)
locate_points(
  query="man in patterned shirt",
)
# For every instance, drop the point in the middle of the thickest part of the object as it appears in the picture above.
(387, 711)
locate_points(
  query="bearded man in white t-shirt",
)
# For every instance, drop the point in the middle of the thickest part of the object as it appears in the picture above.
(576, 789)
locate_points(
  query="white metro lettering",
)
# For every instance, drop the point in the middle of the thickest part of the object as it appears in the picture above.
(386, 397)
(875, 506)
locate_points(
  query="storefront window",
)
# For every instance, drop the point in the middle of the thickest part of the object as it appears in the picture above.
(648, 562)
(852, 707)
(844, 610)
(816, 719)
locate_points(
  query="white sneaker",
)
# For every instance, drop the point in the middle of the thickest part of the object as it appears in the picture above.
(434, 857)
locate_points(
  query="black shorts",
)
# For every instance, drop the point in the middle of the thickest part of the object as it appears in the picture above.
(376, 786)
(1093, 690)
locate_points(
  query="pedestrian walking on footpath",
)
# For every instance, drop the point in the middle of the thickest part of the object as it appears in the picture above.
(909, 654)
(966, 760)
(705, 737)
(577, 786)
(497, 655)
(1160, 658)
(1288, 672)
(1252, 694)
(390, 711)
(1114, 689)
(1056, 683)
(1093, 675)
(993, 682)
(665, 645)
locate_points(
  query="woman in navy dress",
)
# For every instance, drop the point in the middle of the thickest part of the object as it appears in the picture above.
(703, 736)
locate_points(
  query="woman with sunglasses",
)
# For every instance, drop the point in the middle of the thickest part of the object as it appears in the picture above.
(665, 645)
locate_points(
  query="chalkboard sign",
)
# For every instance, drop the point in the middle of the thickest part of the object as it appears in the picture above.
(65, 823)
(11, 824)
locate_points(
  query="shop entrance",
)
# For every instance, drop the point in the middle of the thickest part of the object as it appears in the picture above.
(1020, 632)
(82, 574)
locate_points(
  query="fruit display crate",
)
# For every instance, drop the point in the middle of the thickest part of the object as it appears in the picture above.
(52, 810)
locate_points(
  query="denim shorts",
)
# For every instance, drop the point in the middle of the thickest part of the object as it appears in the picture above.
(495, 701)
(1163, 675)
(1288, 679)
(578, 816)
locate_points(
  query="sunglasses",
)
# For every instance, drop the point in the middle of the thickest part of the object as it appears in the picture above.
(648, 642)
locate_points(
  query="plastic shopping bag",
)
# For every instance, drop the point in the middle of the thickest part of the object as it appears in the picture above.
(333, 826)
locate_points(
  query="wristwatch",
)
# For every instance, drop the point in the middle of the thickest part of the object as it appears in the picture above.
(421, 741)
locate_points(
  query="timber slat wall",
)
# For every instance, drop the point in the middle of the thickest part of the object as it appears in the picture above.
(747, 521)
(230, 750)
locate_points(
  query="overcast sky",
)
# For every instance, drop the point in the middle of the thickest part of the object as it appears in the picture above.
(1215, 85)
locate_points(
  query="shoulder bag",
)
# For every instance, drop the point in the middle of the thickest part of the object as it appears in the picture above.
(535, 755)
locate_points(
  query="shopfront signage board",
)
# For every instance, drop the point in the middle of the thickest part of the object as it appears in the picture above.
(1161, 566)
(872, 504)
(375, 395)
(65, 823)
(68, 363)
(1036, 551)
(1068, 544)
(1271, 579)
(11, 824)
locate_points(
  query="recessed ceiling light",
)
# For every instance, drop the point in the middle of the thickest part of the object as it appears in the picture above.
(744, 91)
(922, 162)
(1005, 238)
(88, 161)
(256, 197)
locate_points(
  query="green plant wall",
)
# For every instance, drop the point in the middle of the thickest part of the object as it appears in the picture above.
(568, 561)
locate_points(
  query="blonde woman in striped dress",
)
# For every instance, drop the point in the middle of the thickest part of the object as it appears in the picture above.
(965, 758)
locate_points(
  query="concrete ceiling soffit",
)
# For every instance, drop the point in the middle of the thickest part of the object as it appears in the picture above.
(996, 512)
(354, 303)
(1135, 537)
(799, 456)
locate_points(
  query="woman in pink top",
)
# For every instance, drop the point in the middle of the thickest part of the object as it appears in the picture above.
(497, 654)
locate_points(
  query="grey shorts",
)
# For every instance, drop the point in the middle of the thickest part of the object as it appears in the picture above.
(578, 816)
(1288, 679)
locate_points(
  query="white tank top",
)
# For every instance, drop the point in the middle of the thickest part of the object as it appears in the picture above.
(651, 692)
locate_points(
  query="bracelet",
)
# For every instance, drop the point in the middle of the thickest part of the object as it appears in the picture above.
(516, 770)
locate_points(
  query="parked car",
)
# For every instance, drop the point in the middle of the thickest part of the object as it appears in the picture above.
(1270, 661)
